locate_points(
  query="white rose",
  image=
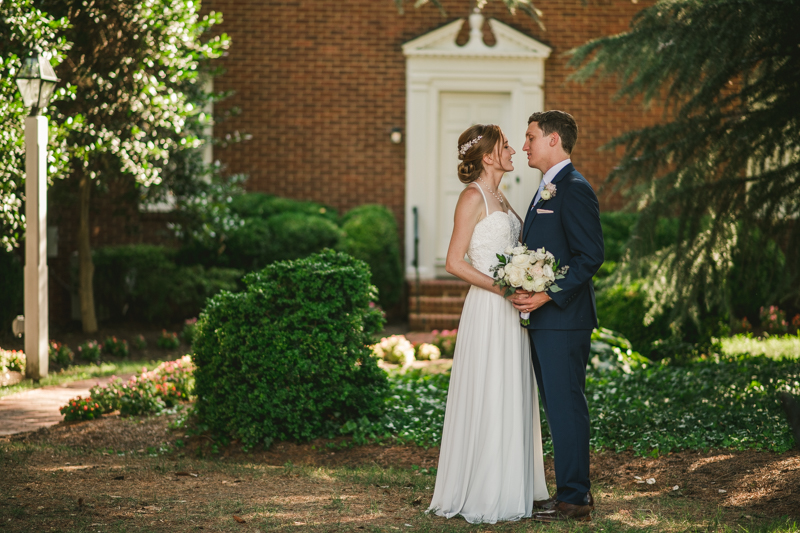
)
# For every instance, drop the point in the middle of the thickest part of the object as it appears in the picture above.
(519, 250)
(501, 273)
(521, 260)
(540, 255)
(548, 273)
(550, 257)
(515, 275)
(537, 271)
(539, 284)
(528, 283)
(509, 250)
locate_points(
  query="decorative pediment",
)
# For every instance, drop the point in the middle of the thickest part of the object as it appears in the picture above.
(442, 42)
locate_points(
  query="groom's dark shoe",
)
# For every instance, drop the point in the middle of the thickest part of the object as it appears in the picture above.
(550, 503)
(563, 511)
(544, 505)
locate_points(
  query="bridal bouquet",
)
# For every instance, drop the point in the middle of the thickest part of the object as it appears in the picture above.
(531, 270)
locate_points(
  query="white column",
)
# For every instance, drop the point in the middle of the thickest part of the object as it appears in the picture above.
(36, 307)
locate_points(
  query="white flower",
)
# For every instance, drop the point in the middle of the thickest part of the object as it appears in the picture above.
(548, 273)
(528, 283)
(540, 255)
(428, 352)
(546, 195)
(517, 250)
(521, 260)
(537, 271)
(501, 273)
(509, 250)
(395, 349)
(539, 284)
(515, 275)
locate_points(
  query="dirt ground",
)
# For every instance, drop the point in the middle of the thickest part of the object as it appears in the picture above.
(741, 485)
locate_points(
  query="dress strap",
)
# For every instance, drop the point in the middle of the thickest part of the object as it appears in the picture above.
(484, 197)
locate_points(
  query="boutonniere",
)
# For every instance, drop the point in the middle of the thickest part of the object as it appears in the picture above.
(549, 191)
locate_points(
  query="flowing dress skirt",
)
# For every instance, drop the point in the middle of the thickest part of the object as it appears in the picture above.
(490, 461)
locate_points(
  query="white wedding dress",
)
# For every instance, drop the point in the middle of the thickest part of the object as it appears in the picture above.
(490, 460)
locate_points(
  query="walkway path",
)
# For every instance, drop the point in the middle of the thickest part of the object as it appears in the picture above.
(33, 409)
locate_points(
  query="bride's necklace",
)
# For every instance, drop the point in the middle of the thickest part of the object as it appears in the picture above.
(499, 198)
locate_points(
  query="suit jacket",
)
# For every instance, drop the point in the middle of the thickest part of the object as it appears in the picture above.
(568, 226)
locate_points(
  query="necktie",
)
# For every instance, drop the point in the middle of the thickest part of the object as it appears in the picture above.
(538, 193)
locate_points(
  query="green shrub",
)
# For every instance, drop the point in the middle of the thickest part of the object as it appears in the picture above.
(261, 205)
(116, 347)
(61, 354)
(622, 308)
(168, 340)
(758, 277)
(142, 282)
(617, 228)
(12, 286)
(90, 351)
(296, 235)
(371, 235)
(288, 357)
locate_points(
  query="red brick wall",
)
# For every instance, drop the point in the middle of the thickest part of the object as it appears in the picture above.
(321, 85)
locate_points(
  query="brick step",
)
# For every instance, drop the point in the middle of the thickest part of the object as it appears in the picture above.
(430, 321)
(439, 287)
(436, 304)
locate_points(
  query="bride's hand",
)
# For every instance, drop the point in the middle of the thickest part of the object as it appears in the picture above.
(520, 296)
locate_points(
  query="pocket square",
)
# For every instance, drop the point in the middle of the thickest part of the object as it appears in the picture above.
(543, 211)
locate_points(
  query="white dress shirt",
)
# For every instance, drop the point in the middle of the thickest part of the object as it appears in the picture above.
(551, 173)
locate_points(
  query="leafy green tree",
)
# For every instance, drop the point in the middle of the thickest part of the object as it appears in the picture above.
(726, 155)
(136, 66)
(22, 26)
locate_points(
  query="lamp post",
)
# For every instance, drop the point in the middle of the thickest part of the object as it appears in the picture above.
(36, 81)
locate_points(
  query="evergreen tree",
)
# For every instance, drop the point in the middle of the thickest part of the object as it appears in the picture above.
(725, 158)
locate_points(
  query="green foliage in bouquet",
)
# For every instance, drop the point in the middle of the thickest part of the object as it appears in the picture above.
(289, 357)
(371, 235)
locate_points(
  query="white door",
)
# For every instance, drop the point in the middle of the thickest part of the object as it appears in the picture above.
(458, 111)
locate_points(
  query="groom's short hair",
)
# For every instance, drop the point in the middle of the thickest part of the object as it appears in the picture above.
(558, 122)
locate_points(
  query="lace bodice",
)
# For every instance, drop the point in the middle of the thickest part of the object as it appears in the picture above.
(490, 237)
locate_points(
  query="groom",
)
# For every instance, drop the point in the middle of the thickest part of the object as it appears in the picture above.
(564, 218)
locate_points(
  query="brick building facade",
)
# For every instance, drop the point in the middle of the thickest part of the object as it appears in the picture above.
(320, 87)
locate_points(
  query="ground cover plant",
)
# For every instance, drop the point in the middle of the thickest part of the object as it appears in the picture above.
(724, 402)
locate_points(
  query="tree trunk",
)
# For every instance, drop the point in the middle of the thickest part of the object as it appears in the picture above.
(85, 264)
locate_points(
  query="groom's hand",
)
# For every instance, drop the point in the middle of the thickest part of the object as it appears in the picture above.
(526, 302)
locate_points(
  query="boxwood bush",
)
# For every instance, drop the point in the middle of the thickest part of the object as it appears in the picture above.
(288, 357)
(261, 205)
(370, 234)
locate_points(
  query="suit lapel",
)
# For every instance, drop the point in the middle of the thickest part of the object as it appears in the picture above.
(532, 212)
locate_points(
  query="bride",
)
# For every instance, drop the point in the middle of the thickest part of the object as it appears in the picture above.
(490, 461)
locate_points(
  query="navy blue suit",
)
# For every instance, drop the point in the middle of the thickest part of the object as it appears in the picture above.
(568, 226)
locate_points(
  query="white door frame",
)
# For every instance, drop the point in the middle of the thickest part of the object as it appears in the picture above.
(435, 64)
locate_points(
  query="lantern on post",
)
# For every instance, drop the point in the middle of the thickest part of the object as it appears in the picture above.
(36, 81)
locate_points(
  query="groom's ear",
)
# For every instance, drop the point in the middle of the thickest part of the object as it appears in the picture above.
(555, 138)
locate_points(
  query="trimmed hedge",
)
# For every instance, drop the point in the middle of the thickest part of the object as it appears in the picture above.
(142, 282)
(288, 357)
(371, 235)
(261, 205)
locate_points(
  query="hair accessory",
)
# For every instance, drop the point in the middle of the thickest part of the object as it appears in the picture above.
(467, 145)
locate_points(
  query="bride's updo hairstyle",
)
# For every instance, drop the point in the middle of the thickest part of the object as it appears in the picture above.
(471, 149)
